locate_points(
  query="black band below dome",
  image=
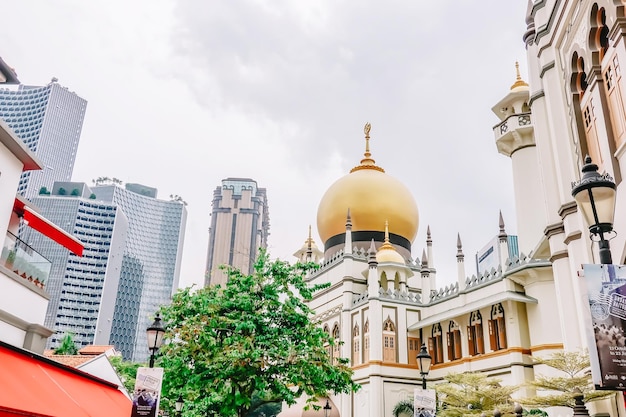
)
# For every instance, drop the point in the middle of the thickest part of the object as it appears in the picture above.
(367, 236)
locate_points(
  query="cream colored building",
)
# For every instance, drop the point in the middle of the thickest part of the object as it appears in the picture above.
(239, 227)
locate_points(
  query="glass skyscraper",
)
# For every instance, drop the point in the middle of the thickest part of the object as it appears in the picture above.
(49, 119)
(150, 267)
(83, 290)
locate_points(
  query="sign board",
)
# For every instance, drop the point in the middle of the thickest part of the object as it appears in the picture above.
(606, 293)
(424, 402)
(147, 393)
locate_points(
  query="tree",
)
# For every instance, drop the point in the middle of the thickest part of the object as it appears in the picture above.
(126, 370)
(67, 346)
(62, 191)
(252, 342)
(403, 407)
(472, 394)
(44, 191)
(75, 192)
(560, 390)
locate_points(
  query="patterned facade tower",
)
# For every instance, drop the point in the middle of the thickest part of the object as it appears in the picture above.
(151, 263)
(49, 120)
(239, 228)
(83, 289)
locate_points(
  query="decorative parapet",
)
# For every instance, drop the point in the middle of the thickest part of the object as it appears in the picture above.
(484, 278)
(359, 299)
(448, 291)
(523, 261)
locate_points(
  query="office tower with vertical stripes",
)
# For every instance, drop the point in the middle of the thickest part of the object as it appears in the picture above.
(239, 227)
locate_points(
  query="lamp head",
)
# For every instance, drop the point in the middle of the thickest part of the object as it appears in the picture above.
(595, 196)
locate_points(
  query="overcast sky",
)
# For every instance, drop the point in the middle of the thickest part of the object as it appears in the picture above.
(185, 93)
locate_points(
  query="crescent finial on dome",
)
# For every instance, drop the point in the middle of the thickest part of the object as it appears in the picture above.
(367, 162)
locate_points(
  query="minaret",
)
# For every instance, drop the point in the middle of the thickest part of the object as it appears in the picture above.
(426, 283)
(372, 275)
(309, 251)
(503, 241)
(460, 263)
(348, 245)
(429, 247)
(515, 138)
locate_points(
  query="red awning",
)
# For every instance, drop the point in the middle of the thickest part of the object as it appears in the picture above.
(47, 228)
(36, 386)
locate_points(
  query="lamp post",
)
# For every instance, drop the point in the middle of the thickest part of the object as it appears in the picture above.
(155, 334)
(595, 195)
(327, 409)
(424, 360)
(179, 405)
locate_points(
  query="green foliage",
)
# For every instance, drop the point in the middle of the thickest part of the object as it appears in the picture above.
(126, 370)
(67, 346)
(44, 191)
(92, 196)
(62, 191)
(469, 394)
(560, 390)
(252, 342)
(75, 192)
(404, 407)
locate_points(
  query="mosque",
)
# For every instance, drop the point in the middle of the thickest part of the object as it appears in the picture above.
(530, 302)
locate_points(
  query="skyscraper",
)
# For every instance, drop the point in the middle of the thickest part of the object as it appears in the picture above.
(150, 267)
(83, 290)
(49, 120)
(239, 227)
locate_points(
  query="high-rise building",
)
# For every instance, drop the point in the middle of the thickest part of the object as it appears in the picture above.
(150, 267)
(239, 227)
(82, 290)
(49, 120)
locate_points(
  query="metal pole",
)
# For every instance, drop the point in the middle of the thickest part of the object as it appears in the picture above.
(423, 381)
(152, 360)
(604, 251)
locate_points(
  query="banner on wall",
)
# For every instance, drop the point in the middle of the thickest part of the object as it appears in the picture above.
(424, 402)
(147, 393)
(606, 293)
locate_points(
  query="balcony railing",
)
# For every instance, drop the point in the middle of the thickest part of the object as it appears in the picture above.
(25, 261)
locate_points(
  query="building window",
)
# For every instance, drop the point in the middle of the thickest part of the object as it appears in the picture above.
(475, 338)
(366, 342)
(327, 345)
(356, 345)
(414, 345)
(389, 341)
(435, 344)
(497, 328)
(617, 113)
(454, 341)
(336, 341)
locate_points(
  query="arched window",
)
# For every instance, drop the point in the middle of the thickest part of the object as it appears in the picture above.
(356, 345)
(383, 281)
(389, 341)
(454, 341)
(475, 337)
(327, 345)
(366, 341)
(435, 344)
(336, 343)
(497, 328)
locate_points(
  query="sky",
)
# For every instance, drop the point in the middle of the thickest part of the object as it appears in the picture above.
(182, 94)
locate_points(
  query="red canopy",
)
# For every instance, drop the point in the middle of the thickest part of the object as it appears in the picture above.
(47, 228)
(35, 386)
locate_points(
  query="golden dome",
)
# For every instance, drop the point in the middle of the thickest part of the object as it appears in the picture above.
(519, 85)
(387, 253)
(373, 197)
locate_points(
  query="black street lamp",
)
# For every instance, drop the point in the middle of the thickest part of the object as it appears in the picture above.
(327, 409)
(155, 334)
(424, 360)
(595, 196)
(179, 405)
